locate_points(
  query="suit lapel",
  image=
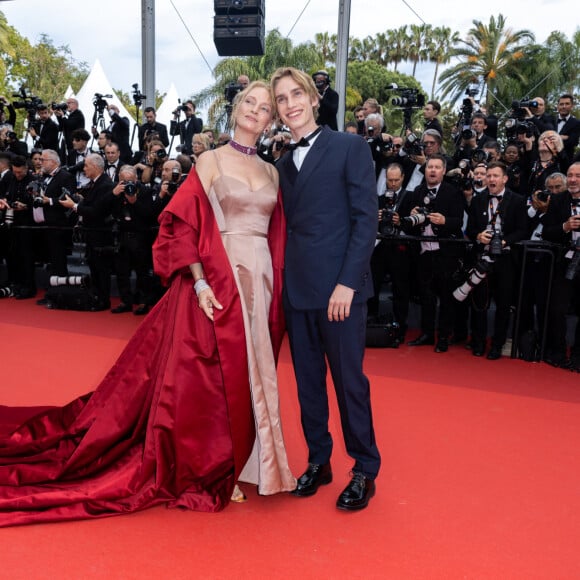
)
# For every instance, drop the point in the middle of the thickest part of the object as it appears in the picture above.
(312, 159)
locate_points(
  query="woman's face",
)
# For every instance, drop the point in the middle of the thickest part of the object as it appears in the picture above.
(36, 163)
(511, 154)
(198, 147)
(255, 111)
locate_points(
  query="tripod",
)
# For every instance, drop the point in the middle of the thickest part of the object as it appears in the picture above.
(98, 123)
(176, 120)
(136, 125)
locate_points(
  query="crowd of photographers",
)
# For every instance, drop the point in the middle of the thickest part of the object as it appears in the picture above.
(64, 184)
(496, 218)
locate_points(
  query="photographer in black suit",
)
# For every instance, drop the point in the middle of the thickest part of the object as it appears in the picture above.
(435, 208)
(567, 126)
(328, 107)
(73, 119)
(562, 226)
(48, 211)
(133, 211)
(119, 130)
(187, 128)
(94, 208)
(151, 126)
(499, 215)
(44, 132)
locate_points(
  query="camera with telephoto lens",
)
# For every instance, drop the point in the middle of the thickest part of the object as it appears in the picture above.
(173, 185)
(464, 182)
(5, 291)
(413, 145)
(409, 99)
(70, 281)
(76, 168)
(99, 101)
(29, 102)
(473, 277)
(67, 193)
(418, 218)
(160, 155)
(59, 107)
(138, 96)
(386, 225)
(574, 265)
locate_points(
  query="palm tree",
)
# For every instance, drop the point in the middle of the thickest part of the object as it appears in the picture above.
(382, 49)
(278, 51)
(490, 52)
(419, 41)
(443, 40)
(398, 40)
(325, 44)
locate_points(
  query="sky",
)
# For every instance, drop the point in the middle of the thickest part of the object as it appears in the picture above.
(110, 30)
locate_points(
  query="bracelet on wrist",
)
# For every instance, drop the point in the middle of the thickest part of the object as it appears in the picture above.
(200, 286)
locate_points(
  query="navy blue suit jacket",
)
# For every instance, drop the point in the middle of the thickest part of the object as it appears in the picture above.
(331, 212)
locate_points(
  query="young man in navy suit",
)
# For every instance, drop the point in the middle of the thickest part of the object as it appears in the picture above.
(330, 201)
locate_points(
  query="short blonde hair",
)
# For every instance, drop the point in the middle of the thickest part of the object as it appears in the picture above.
(201, 138)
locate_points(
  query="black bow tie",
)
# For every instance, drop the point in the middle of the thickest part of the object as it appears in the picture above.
(498, 197)
(432, 191)
(562, 120)
(305, 141)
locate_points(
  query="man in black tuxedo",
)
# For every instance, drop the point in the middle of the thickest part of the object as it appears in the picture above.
(567, 125)
(48, 211)
(119, 131)
(75, 159)
(330, 201)
(539, 117)
(152, 126)
(496, 210)
(187, 128)
(74, 119)
(328, 107)
(44, 132)
(562, 226)
(430, 112)
(112, 161)
(94, 211)
(438, 260)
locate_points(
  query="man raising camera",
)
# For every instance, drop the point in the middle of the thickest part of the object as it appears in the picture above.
(187, 128)
(69, 119)
(497, 220)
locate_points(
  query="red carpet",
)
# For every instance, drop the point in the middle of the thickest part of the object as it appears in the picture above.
(480, 478)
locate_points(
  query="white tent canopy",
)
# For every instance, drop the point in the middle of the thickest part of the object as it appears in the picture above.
(97, 82)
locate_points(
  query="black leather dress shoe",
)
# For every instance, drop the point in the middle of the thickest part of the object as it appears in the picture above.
(315, 476)
(442, 345)
(42, 302)
(121, 308)
(494, 353)
(424, 339)
(357, 493)
(141, 310)
(477, 349)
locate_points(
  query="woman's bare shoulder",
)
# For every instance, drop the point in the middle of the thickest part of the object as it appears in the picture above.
(206, 168)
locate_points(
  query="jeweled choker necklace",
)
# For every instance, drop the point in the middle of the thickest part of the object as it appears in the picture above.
(245, 149)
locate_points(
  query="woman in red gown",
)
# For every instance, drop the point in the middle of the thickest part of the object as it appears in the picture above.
(191, 404)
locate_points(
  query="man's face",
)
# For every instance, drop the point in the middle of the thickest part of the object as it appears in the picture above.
(429, 112)
(112, 154)
(209, 136)
(556, 185)
(90, 169)
(101, 141)
(189, 110)
(565, 107)
(394, 179)
(44, 114)
(359, 115)
(480, 174)
(430, 144)
(320, 82)
(295, 106)
(511, 154)
(496, 180)
(150, 117)
(434, 172)
(20, 172)
(478, 125)
(397, 143)
(72, 105)
(79, 144)
(541, 108)
(48, 164)
(167, 170)
(573, 178)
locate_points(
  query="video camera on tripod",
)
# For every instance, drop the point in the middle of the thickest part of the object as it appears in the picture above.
(465, 114)
(138, 96)
(99, 102)
(29, 102)
(408, 100)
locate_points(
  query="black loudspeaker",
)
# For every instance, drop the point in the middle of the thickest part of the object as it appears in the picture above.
(239, 6)
(239, 27)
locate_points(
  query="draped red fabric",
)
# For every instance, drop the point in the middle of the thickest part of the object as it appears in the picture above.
(171, 422)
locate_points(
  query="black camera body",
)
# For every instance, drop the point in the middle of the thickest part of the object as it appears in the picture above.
(29, 102)
(99, 101)
(138, 96)
(419, 218)
(413, 145)
(230, 92)
(543, 195)
(59, 107)
(131, 188)
(408, 99)
(496, 243)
